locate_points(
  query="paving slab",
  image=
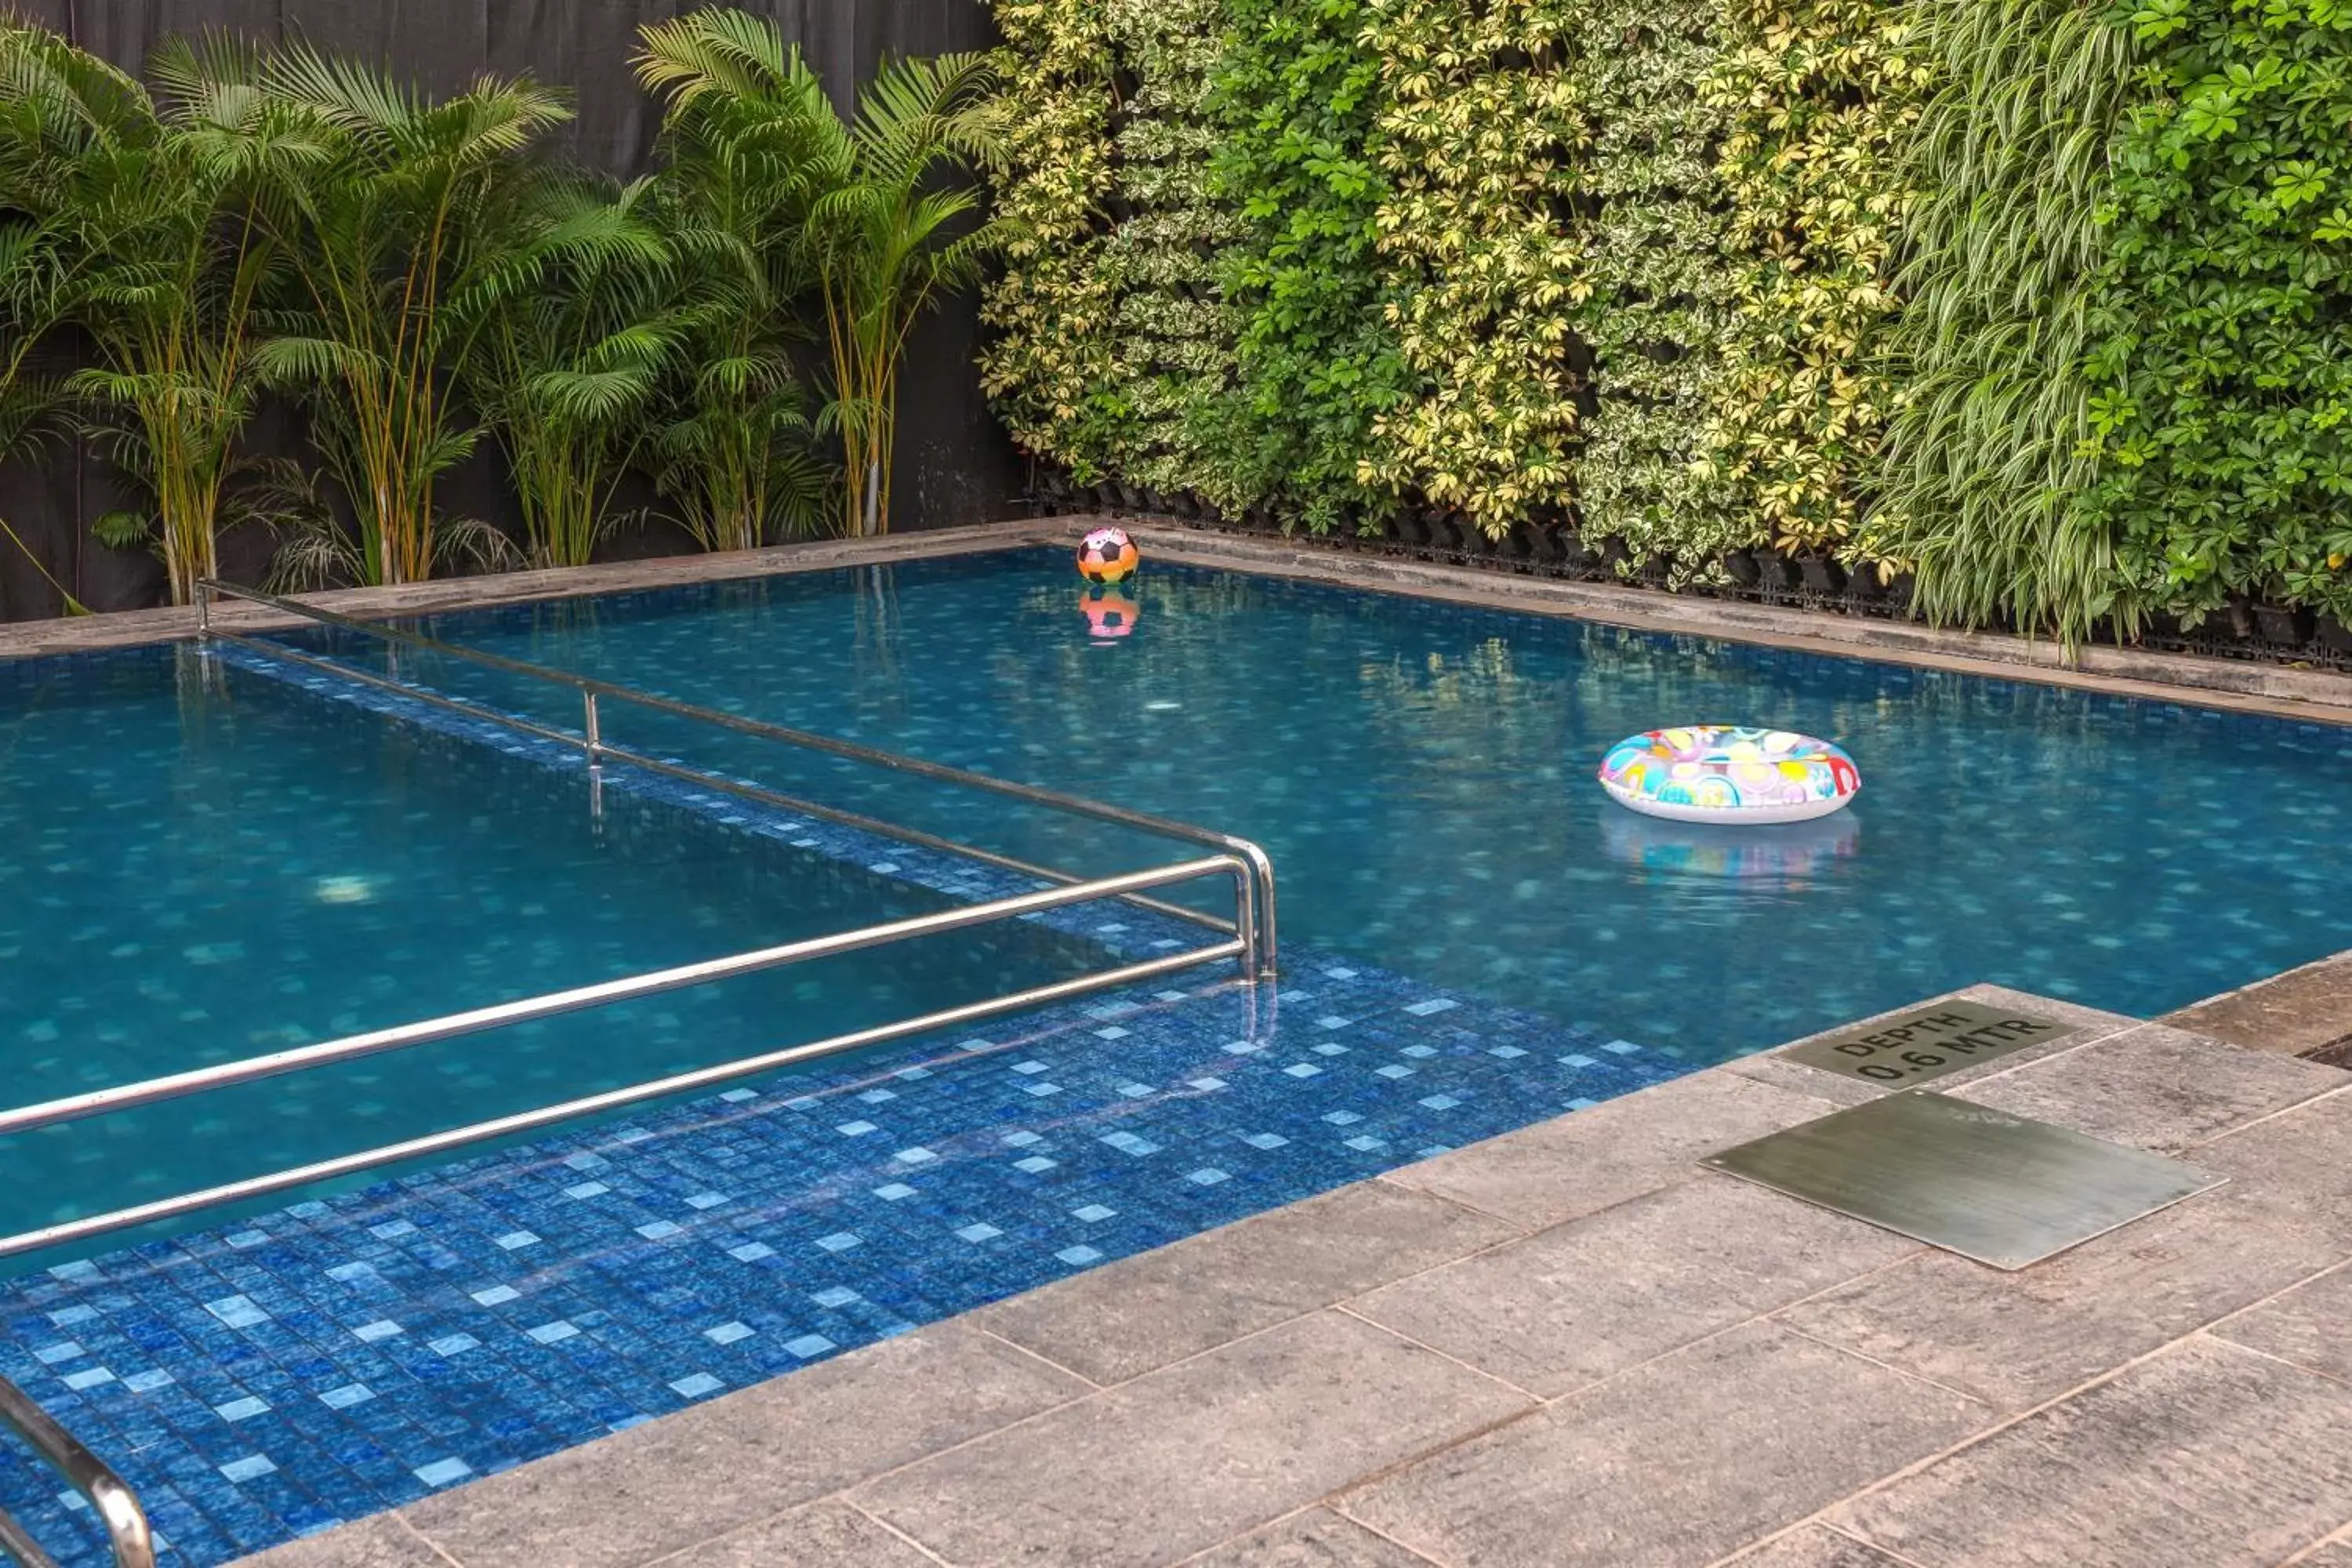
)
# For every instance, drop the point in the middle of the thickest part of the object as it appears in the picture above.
(1814, 1546)
(382, 1542)
(2291, 1168)
(1680, 1461)
(1556, 1171)
(2015, 1338)
(2334, 1555)
(2307, 1326)
(2298, 1013)
(2155, 1088)
(1782, 1071)
(664, 1486)
(1157, 1469)
(1116, 1323)
(823, 1533)
(1316, 1538)
(1582, 1300)
(2205, 1456)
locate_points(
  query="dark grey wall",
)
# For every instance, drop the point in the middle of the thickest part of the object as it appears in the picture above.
(954, 464)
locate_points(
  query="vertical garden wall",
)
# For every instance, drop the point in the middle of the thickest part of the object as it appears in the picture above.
(2037, 308)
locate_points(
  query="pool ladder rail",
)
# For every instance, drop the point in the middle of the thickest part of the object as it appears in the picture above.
(111, 1498)
(1248, 939)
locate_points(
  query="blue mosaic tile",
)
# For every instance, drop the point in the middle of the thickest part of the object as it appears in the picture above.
(354, 1351)
(259, 1388)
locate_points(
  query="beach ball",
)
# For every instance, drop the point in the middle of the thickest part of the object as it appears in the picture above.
(1108, 555)
(1108, 612)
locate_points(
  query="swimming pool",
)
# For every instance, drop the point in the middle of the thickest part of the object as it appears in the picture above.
(1421, 773)
(201, 857)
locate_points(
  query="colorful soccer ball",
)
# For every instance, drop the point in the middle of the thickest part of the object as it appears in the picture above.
(1108, 612)
(1108, 555)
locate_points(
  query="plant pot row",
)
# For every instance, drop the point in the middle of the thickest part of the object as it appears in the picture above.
(2290, 626)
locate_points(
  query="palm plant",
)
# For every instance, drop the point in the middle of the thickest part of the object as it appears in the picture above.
(403, 236)
(734, 450)
(166, 261)
(1985, 453)
(36, 231)
(565, 374)
(862, 210)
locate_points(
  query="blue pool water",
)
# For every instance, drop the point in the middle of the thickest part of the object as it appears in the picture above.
(203, 858)
(199, 864)
(1421, 773)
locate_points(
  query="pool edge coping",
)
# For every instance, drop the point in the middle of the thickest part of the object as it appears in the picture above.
(2265, 689)
(2274, 690)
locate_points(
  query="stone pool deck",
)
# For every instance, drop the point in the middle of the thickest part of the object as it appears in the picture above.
(1569, 1345)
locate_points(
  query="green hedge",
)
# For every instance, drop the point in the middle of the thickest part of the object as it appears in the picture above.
(2040, 301)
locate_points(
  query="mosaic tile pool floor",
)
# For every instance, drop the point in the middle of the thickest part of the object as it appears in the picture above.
(279, 1373)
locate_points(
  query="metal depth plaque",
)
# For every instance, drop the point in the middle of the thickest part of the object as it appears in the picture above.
(1997, 1188)
(1927, 1043)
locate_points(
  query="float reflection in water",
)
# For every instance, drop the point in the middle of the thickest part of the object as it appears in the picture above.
(1109, 613)
(1783, 855)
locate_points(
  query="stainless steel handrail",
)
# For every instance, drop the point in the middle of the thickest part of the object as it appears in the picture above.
(1262, 958)
(179, 1085)
(553, 1004)
(116, 1505)
(599, 752)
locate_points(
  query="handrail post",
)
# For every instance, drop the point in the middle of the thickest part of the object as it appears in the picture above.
(595, 731)
(1261, 876)
(1245, 921)
(128, 1533)
(203, 608)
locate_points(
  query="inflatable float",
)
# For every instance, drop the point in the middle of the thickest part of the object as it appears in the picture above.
(1717, 773)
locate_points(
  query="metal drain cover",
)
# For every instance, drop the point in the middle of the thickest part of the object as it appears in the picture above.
(1975, 1181)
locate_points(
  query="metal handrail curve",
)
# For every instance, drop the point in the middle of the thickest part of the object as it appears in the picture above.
(128, 1532)
(1262, 959)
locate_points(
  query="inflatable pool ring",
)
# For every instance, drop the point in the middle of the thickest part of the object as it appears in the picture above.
(1717, 773)
(1108, 555)
(1108, 612)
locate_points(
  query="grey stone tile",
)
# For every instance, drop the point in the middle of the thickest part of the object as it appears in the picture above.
(661, 1486)
(2155, 1088)
(2297, 1013)
(1578, 1302)
(1316, 1538)
(2291, 1169)
(379, 1542)
(2206, 1456)
(2016, 1339)
(1576, 1164)
(2091, 1024)
(2311, 1326)
(828, 1535)
(1116, 1322)
(1814, 1546)
(1181, 1459)
(1677, 1462)
(2334, 1555)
